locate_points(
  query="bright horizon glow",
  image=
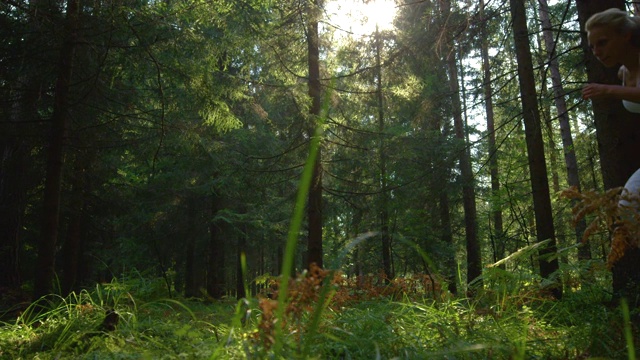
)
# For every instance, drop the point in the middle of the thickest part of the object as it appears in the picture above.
(359, 18)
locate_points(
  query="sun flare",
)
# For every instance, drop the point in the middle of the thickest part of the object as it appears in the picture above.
(360, 17)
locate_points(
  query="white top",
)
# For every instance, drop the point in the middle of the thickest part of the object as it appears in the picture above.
(631, 191)
(632, 187)
(631, 106)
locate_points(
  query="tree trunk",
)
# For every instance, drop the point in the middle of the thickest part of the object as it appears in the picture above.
(570, 160)
(442, 168)
(535, 146)
(73, 246)
(618, 135)
(383, 210)
(474, 263)
(447, 238)
(314, 212)
(215, 273)
(190, 283)
(16, 178)
(73, 249)
(497, 235)
(45, 268)
(13, 158)
(551, 141)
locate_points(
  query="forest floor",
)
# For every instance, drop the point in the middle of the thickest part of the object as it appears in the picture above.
(134, 319)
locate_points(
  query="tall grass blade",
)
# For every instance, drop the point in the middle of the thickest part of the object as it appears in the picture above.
(520, 252)
(243, 266)
(628, 336)
(296, 222)
(340, 259)
(292, 237)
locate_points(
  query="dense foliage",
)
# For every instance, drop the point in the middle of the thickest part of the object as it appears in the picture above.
(156, 159)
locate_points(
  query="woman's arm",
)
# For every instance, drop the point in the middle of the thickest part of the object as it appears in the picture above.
(600, 91)
(619, 92)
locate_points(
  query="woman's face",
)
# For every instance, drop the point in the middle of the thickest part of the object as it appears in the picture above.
(607, 45)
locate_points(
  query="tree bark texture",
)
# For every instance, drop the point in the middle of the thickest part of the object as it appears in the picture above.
(447, 237)
(13, 157)
(535, 145)
(570, 159)
(474, 263)
(314, 210)
(191, 286)
(24, 94)
(383, 210)
(45, 268)
(74, 246)
(216, 265)
(442, 168)
(497, 236)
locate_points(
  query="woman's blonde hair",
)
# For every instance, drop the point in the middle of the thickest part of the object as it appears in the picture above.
(617, 20)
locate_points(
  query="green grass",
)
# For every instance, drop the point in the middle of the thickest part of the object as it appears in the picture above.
(489, 326)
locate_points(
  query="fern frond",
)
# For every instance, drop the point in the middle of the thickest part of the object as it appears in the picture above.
(615, 210)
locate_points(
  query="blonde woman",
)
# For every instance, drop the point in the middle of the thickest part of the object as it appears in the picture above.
(614, 38)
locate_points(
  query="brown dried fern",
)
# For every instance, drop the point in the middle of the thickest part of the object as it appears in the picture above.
(607, 212)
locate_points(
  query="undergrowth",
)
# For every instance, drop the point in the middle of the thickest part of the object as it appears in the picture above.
(328, 317)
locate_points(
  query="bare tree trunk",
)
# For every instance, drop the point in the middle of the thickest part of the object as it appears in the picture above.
(447, 238)
(73, 248)
(617, 132)
(551, 142)
(74, 243)
(15, 146)
(314, 213)
(570, 160)
(497, 235)
(356, 258)
(45, 268)
(383, 210)
(535, 146)
(215, 273)
(442, 168)
(190, 282)
(13, 156)
(474, 262)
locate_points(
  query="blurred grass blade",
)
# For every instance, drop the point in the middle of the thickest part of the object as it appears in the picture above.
(628, 335)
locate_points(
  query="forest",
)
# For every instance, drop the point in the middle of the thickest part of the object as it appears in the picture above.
(325, 179)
